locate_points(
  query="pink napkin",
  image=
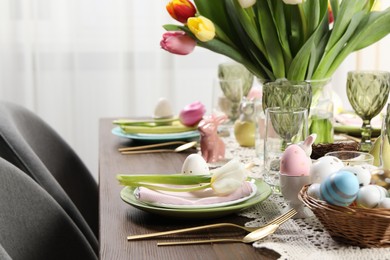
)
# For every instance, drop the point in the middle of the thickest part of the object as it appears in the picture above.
(350, 119)
(203, 197)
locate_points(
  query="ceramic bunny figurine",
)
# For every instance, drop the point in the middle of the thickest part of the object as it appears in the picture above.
(307, 144)
(211, 145)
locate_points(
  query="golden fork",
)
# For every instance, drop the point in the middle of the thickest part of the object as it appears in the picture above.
(288, 214)
(251, 237)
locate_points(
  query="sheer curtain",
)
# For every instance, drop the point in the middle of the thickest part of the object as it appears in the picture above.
(75, 61)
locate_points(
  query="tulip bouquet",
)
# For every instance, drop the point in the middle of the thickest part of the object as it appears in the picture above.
(292, 39)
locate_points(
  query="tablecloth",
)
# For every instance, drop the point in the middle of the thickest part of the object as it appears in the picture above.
(297, 238)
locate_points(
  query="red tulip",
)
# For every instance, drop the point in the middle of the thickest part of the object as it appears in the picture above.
(177, 43)
(181, 10)
(330, 14)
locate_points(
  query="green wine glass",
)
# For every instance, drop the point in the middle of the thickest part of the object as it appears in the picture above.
(287, 94)
(367, 93)
(227, 96)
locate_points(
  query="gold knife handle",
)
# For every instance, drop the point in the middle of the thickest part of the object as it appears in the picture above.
(178, 231)
(205, 241)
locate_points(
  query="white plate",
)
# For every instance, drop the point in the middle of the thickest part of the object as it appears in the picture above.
(157, 137)
(202, 206)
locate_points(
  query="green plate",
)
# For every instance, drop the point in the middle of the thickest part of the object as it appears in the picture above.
(190, 135)
(263, 191)
(354, 130)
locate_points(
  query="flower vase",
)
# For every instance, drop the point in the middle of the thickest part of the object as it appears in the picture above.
(321, 111)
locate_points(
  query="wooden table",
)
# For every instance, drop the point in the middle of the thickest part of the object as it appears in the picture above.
(118, 219)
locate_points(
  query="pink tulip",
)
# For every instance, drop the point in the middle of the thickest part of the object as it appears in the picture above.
(255, 94)
(178, 43)
(191, 114)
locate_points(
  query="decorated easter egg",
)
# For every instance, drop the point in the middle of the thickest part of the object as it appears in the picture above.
(362, 172)
(194, 164)
(369, 196)
(340, 188)
(192, 113)
(314, 191)
(323, 167)
(294, 162)
(385, 203)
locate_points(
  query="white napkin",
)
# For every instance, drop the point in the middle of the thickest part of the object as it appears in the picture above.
(197, 198)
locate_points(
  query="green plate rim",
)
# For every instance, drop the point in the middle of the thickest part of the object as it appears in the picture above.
(263, 192)
(354, 130)
(157, 137)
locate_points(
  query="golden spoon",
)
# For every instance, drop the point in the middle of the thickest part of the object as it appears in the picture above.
(251, 237)
(289, 213)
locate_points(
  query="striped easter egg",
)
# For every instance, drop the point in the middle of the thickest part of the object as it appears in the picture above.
(340, 188)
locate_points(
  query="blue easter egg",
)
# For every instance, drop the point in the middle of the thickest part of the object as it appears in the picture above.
(340, 188)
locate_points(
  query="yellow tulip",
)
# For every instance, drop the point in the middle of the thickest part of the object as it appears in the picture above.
(202, 28)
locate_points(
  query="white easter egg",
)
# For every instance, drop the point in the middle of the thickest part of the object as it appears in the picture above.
(163, 109)
(194, 164)
(324, 167)
(385, 203)
(362, 172)
(369, 196)
(384, 192)
(314, 191)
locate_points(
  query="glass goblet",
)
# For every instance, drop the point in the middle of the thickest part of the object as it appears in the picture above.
(367, 93)
(227, 96)
(287, 94)
(288, 123)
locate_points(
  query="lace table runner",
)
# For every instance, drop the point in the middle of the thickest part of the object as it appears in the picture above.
(298, 238)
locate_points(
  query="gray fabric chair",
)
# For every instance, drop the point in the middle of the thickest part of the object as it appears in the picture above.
(3, 254)
(32, 224)
(35, 148)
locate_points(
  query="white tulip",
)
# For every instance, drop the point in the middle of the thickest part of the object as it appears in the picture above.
(246, 3)
(228, 178)
(293, 2)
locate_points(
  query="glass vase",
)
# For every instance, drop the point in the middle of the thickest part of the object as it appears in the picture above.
(321, 111)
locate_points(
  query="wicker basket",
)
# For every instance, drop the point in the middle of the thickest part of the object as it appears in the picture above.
(351, 225)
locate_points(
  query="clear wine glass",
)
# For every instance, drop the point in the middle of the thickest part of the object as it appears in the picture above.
(381, 174)
(367, 93)
(387, 122)
(283, 126)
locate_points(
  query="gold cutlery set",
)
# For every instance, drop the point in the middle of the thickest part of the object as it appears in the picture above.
(254, 235)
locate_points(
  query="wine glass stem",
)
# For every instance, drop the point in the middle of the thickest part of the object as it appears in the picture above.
(365, 143)
(382, 146)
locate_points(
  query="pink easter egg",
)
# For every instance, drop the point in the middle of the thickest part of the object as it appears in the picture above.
(295, 162)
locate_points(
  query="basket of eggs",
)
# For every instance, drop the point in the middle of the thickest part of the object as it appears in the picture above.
(352, 209)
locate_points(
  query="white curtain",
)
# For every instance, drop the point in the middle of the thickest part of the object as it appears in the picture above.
(75, 61)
